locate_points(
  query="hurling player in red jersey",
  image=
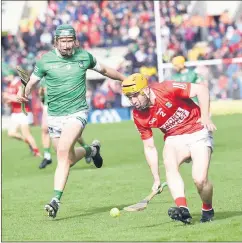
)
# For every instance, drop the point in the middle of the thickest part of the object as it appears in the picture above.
(188, 134)
(18, 119)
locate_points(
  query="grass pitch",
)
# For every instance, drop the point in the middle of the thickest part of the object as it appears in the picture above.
(124, 179)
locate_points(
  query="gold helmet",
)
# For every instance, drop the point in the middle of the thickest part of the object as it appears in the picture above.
(135, 83)
(178, 60)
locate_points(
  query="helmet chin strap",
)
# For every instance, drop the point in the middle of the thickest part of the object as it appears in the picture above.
(148, 101)
(59, 49)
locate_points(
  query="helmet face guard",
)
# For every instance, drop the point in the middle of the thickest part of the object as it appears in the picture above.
(134, 86)
(65, 31)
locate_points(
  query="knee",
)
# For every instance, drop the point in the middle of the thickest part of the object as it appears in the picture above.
(170, 166)
(11, 134)
(63, 152)
(44, 129)
(26, 133)
(200, 182)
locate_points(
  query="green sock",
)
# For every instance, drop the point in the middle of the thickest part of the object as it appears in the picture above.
(82, 144)
(47, 150)
(88, 150)
(58, 194)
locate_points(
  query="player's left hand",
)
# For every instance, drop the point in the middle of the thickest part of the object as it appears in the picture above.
(207, 123)
(21, 98)
(156, 186)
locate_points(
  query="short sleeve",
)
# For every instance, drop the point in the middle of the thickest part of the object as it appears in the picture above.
(92, 60)
(178, 89)
(39, 69)
(42, 82)
(145, 133)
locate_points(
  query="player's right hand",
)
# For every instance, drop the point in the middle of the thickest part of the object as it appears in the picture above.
(21, 98)
(207, 123)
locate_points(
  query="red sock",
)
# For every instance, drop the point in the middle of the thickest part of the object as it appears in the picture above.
(181, 202)
(36, 150)
(207, 207)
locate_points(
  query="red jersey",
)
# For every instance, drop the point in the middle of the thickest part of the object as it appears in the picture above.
(13, 89)
(174, 113)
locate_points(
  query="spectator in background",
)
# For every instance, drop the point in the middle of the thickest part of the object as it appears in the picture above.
(99, 98)
(94, 37)
(119, 23)
(114, 95)
(235, 87)
(141, 56)
(46, 39)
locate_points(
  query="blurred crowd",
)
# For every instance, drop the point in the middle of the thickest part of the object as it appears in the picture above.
(108, 24)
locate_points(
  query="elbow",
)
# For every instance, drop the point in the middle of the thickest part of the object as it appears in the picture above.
(104, 71)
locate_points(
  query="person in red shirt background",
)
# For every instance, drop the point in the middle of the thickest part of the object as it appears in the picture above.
(188, 134)
(18, 119)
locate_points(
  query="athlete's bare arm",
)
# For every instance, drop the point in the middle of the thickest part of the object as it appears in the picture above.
(108, 72)
(23, 96)
(202, 93)
(151, 155)
(31, 84)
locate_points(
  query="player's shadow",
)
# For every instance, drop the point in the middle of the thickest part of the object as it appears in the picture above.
(219, 215)
(92, 212)
(196, 219)
(196, 216)
(168, 221)
(83, 167)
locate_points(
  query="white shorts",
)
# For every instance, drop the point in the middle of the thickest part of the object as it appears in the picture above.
(203, 137)
(56, 123)
(21, 119)
(45, 108)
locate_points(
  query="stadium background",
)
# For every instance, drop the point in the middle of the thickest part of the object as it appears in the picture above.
(122, 34)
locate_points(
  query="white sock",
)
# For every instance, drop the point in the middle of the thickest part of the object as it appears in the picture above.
(94, 151)
(47, 155)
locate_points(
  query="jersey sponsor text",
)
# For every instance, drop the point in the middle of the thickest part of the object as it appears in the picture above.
(178, 117)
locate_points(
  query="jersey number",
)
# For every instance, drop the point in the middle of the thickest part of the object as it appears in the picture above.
(160, 112)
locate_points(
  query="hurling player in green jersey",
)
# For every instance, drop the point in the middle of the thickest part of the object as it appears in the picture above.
(44, 126)
(64, 69)
(46, 143)
(184, 74)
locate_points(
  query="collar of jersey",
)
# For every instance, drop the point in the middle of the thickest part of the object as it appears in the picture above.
(59, 55)
(154, 96)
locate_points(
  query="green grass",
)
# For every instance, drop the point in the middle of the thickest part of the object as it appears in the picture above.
(124, 179)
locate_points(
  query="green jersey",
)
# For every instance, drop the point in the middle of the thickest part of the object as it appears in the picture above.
(65, 79)
(43, 85)
(189, 76)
